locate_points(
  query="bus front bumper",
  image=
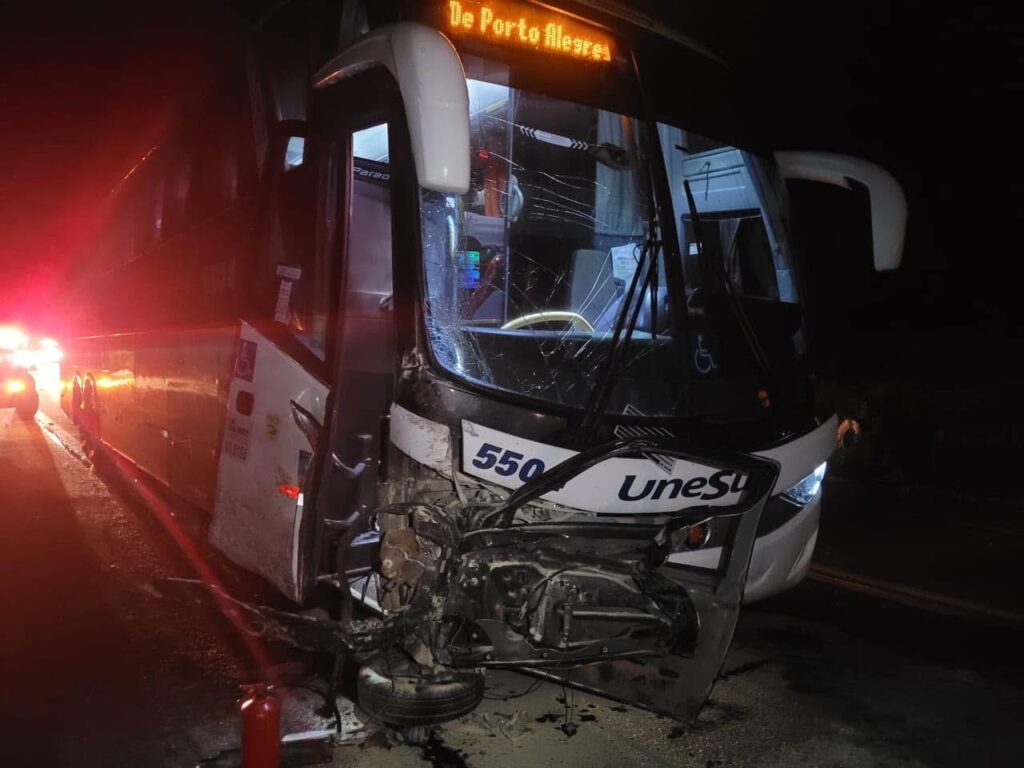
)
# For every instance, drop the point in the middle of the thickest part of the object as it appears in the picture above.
(780, 558)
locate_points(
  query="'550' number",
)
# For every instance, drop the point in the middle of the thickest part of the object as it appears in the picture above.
(507, 463)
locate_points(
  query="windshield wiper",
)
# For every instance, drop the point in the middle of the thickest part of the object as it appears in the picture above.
(632, 302)
(749, 334)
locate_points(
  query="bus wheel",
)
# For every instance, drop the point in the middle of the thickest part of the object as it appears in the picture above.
(76, 403)
(89, 419)
(401, 699)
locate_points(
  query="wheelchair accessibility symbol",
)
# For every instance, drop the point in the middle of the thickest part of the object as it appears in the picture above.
(245, 363)
(704, 356)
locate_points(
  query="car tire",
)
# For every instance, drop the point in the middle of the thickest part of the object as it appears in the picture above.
(29, 405)
(409, 700)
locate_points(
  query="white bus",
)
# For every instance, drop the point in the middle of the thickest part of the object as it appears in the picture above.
(474, 329)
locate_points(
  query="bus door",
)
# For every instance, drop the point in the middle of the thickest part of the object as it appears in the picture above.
(323, 368)
(365, 359)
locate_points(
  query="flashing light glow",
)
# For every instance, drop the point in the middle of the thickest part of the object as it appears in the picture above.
(23, 354)
(115, 381)
(33, 358)
(12, 338)
(16, 387)
(23, 358)
(526, 26)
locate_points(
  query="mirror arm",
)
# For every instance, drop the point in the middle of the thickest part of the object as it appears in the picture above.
(306, 422)
(888, 202)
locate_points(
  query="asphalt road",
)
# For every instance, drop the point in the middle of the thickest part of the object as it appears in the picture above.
(102, 665)
(98, 667)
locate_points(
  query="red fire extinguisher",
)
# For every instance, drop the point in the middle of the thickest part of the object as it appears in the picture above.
(261, 727)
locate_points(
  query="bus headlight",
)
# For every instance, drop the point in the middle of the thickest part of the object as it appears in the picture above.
(807, 489)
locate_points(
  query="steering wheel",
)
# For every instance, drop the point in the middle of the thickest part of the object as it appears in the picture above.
(557, 315)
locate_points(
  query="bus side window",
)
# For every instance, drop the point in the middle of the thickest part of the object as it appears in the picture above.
(110, 264)
(175, 167)
(223, 168)
(369, 269)
(148, 213)
(295, 152)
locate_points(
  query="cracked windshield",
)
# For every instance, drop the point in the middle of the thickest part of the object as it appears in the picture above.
(530, 274)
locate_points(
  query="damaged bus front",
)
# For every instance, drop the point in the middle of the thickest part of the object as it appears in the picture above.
(540, 381)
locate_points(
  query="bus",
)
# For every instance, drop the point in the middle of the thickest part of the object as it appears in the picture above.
(467, 319)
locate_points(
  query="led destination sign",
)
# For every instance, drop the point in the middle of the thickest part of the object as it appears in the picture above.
(525, 26)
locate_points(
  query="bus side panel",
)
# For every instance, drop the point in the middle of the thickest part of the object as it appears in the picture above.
(162, 396)
(151, 437)
(161, 289)
(197, 402)
(198, 285)
(114, 392)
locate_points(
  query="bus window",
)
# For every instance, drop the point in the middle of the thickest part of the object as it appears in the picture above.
(741, 229)
(305, 265)
(115, 247)
(175, 170)
(295, 152)
(301, 244)
(207, 194)
(528, 273)
(371, 143)
(368, 275)
(223, 158)
(148, 217)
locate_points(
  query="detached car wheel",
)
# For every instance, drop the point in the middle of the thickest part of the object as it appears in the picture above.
(28, 403)
(29, 406)
(409, 700)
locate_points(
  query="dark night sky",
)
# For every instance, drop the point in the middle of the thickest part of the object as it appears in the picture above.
(85, 88)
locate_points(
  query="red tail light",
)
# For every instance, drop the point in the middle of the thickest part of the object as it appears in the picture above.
(291, 491)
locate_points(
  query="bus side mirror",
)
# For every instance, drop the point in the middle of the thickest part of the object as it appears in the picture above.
(433, 86)
(888, 203)
(307, 423)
